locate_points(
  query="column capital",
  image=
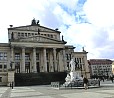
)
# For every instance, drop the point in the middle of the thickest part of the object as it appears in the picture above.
(11, 46)
(34, 47)
(23, 47)
(54, 48)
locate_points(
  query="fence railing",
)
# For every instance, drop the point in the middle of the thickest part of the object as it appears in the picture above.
(92, 83)
(55, 84)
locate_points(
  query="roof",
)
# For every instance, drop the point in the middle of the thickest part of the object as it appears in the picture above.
(69, 47)
(4, 44)
(99, 61)
(34, 23)
(37, 26)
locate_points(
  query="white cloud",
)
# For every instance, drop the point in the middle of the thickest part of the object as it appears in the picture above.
(71, 19)
(100, 12)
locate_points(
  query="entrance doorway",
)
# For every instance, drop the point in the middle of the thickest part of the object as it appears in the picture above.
(17, 67)
(27, 67)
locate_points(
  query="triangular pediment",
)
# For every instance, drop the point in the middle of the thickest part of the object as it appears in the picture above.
(34, 28)
(40, 39)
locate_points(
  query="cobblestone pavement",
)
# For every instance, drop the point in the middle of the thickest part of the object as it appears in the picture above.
(46, 91)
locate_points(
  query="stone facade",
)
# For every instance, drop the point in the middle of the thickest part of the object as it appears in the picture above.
(100, 67)
(34, 48)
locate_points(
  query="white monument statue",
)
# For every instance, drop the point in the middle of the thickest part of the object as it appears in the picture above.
(73, 75)
(72, 64)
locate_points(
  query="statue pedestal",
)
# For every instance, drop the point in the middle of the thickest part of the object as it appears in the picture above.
(75, 76)
(11, 77)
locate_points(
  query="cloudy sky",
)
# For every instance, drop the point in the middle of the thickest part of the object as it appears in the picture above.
(83, 23)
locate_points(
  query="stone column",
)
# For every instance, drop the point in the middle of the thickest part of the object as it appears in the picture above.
(51, 61)
(12, 58)
(54, 56)
(59, 63)
(34, 60)
(45, 60)
(64, 60)
(23, 60)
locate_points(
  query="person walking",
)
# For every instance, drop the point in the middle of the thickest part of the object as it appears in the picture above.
(111, 78)
(85, 81)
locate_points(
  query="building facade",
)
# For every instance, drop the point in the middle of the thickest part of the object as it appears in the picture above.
(113, 68)
(100, 67)
(35, 48)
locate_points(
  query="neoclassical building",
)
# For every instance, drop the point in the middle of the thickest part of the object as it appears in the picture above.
(34, 49)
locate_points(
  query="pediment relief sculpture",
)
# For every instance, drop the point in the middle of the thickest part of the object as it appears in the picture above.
(40, 39)
(34, 28)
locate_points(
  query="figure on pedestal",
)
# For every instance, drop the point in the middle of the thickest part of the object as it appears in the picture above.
(73, 75)
(72, 64)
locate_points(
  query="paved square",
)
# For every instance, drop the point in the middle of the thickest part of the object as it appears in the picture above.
(24, 92)
(46, 91)
(86, 95)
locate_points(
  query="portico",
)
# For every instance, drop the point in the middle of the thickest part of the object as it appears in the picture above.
(36, 59)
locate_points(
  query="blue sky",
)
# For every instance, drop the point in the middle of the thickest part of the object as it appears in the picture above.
(83, 23)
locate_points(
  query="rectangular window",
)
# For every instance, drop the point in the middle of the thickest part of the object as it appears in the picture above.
(3, 56)
(27, 56)
(5, 66)
(51, 36)
(29, 34)
(0, 66)
(22, 34)
(19, 34)
(48, 35)
(37, 56)
(25, 34)
(17, 56)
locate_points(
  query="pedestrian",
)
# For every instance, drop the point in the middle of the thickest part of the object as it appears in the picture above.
(10, 84)
(85, 81)
(111, 78)
(103, 79)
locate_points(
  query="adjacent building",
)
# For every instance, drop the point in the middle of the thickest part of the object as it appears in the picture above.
(113, 67)
(34, 49)
(100, 67)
